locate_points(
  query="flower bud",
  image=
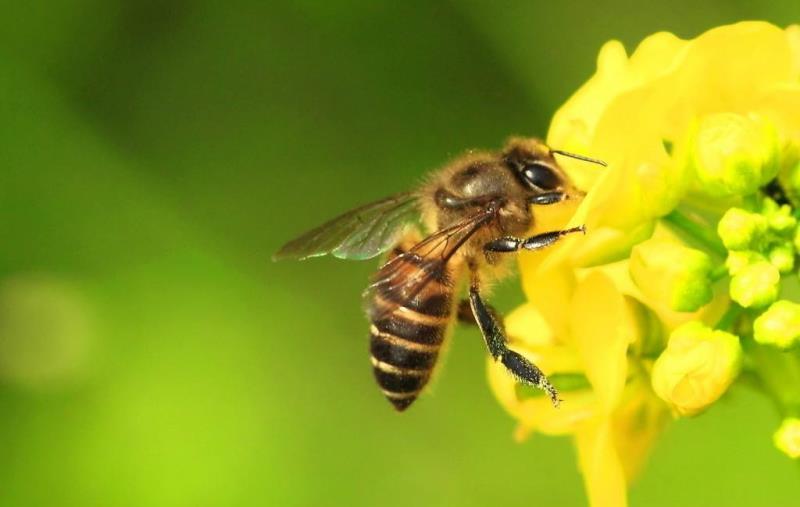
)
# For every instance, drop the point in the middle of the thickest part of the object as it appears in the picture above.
(740, 229)
(782, 220)
(671, 273)
(696, 368)
(768, 206)
(782, 257)
(756, 285)
(779, 325)
(787, 438)
(734, 154)
(738, 260)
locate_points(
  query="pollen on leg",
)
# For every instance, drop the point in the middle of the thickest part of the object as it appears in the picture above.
(551, 391)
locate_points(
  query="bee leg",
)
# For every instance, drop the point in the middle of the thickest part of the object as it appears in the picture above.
(548, 198)
(464, 313)
(491, 328)
(465, 316)
(512, 244)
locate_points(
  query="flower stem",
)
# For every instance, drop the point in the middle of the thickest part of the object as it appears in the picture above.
(780, 373)
(718, 273)
(729, 318)
(697, 232)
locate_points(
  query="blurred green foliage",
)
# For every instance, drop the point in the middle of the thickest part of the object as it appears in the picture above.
(154, 155)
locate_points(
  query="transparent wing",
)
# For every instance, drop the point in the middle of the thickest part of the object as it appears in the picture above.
(405, 275)
(361, 233)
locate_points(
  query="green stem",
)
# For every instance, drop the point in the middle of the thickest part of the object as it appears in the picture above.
(729, 318)
(718, 273)
(780, 375)
(701, 234)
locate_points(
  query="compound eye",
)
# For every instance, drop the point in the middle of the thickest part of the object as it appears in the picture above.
(541, 176)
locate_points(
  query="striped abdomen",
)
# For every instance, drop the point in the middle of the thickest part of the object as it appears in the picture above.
(406, 335)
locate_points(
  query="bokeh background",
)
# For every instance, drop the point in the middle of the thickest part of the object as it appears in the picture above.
(153, 155)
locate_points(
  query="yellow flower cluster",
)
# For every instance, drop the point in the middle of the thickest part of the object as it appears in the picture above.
(630, 306)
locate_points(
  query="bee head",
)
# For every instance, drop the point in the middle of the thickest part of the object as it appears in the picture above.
(536, 168)
(534, 165)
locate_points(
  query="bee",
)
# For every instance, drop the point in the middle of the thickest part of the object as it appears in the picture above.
(477, 210)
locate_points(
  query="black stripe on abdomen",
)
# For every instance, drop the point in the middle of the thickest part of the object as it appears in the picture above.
(402, 327)
(400, 383)
(404, 354)
(401, 367)
(434, 305)
(397, 352)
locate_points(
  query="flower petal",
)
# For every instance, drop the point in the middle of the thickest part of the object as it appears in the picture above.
(602, 328)
(602, 470)
(639, 420)
(538, 413)
(781, 104)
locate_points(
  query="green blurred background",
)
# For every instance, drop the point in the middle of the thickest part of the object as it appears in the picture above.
(155, 153)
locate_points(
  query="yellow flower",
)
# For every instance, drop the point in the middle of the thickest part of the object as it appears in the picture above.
(631, 106)
(615, 422)
(585, 317)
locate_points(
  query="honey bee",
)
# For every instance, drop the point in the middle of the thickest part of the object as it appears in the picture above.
(476, 209)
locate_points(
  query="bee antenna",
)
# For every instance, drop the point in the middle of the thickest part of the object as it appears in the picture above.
(579, 157)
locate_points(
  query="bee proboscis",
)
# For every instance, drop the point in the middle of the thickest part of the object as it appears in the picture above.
(477, 210)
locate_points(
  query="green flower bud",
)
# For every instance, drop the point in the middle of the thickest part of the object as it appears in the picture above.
(738, 260)
(756, 285)
(671, 273)
(768, 206)
(782, 220)
(787, 438)
(740, 229)
(734, 154)
(782, 257)
(779, 325)
(696, 368)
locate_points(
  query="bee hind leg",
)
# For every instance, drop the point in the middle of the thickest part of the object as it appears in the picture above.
(494, 334)
(465, 315)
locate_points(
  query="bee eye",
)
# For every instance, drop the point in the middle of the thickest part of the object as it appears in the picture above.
(541, 176)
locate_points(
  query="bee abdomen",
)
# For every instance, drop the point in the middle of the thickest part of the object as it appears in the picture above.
(405, 340)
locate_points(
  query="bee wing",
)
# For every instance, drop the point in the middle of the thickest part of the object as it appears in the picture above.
(359, 234)
(404, 276)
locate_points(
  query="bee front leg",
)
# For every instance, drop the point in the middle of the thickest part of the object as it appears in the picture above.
(494, 334)
(511, 244)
